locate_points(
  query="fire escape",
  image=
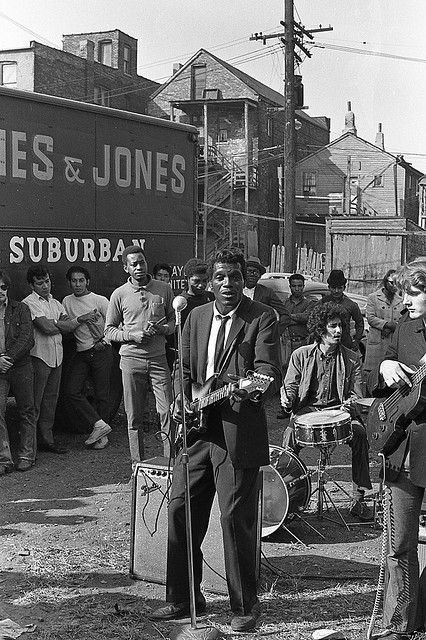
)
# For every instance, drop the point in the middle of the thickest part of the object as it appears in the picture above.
(225, 179)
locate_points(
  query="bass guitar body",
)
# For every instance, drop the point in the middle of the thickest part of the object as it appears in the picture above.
(389, 417)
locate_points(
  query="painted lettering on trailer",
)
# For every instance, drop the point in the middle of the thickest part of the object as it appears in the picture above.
(53, 249)
(24, 156)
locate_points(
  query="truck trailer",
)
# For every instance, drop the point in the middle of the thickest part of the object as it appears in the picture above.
(79, 182)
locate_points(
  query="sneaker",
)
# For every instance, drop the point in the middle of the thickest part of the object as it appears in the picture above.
(100, 429)
(359, 509)
(101, 443)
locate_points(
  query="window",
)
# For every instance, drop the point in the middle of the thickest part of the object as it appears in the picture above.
(105, 52)
(270, 127)
(126, 59)
(378, 181)
(212, 94)
(309, 186)
(222, 135)
(198, 81)
(8, 74)
(101, 96)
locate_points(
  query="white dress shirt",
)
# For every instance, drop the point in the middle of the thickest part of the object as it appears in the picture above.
(214, 330)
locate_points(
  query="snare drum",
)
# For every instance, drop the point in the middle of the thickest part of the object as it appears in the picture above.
(330, 426)
(286, 489)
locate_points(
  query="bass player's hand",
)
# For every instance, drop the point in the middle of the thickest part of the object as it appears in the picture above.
(395, 373)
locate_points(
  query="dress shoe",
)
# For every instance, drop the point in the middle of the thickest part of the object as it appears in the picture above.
(52, 448)
(247, 622)
(172, 611)
(359, 509)
(5, 469)
(24, 465)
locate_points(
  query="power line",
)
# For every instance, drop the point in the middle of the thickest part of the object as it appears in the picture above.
(365, 52)
(21, 26)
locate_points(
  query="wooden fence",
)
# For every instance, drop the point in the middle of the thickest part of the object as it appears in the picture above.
(309, 262)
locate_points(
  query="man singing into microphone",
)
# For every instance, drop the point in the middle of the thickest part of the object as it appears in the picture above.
(140, 315)
(232, 335)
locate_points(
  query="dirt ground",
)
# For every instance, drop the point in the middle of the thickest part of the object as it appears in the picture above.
(65, 548)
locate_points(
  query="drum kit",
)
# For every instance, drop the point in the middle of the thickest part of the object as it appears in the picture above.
(287, 485)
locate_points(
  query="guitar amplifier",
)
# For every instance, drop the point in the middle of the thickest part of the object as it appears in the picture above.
(151, 484)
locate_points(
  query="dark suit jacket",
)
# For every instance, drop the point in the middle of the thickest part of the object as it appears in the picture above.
(408, 345)
(19, 333)
(256, 349)
(268, 296)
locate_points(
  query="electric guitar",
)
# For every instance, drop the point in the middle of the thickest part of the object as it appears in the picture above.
(389, 417)
(206, 395)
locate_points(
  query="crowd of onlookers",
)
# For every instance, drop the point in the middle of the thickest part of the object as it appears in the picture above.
(140, 317)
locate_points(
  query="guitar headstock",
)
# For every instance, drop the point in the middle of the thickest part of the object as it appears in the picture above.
(255, 382)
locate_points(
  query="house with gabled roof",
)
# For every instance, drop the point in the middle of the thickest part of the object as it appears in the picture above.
(241, 126)
(352, 177)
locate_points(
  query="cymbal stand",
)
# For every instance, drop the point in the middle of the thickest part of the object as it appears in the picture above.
(323, 477)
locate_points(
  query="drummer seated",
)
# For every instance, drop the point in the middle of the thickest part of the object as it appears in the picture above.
(327, 374)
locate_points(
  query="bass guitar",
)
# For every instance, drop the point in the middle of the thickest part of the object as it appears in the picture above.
(389, 417)
(206, 395)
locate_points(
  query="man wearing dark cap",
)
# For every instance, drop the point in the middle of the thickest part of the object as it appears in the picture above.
(256, 291)
(337, 283)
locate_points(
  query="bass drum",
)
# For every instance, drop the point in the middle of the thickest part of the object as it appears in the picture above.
(286, 489)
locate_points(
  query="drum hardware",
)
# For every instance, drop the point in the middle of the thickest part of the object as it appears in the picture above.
(323, 477)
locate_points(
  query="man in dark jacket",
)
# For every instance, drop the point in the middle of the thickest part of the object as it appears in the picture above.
(16, 373)
(405, 453)
(230, 336)
(256, 291)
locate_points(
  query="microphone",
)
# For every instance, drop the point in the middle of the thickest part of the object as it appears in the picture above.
(179, 303)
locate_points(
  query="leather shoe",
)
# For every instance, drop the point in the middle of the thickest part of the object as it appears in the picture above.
(172, 611)
(52, 448)
(247, 622)
(24, 465)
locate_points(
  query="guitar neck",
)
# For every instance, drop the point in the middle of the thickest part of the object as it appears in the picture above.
(417, 378)
(214, 396)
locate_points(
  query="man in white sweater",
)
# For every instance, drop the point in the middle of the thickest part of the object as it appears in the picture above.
(93, 357)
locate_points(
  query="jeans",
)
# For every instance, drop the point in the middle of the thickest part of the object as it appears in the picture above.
(20, 380)
(136, 372)
(97, 364)
(46, 391)
(405, 501)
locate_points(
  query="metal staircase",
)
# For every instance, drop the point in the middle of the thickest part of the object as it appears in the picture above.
(225, 176)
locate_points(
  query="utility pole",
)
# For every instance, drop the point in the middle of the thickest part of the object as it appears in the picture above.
(292, 36)
(289, 171)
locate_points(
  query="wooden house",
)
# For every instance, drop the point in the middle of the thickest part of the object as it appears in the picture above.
(241, 126)
(352, 177)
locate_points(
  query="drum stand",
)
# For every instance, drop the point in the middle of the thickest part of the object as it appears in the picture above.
(323, 477)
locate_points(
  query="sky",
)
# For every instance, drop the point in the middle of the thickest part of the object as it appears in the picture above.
(376, 76)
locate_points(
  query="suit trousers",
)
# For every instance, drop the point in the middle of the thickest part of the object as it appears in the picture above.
(136, 372)
(400, 606)
(210, 471)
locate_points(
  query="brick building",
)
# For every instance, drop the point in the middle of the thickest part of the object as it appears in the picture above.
(352, 177)
(92, 67)
(241, 151)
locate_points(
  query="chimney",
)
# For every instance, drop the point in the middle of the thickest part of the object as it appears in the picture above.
(350, 121)
(176, 67)
(380, 138)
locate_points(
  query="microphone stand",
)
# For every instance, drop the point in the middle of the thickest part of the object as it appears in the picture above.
(192, 632)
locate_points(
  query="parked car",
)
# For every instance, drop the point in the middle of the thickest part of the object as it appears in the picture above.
(314, 290)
